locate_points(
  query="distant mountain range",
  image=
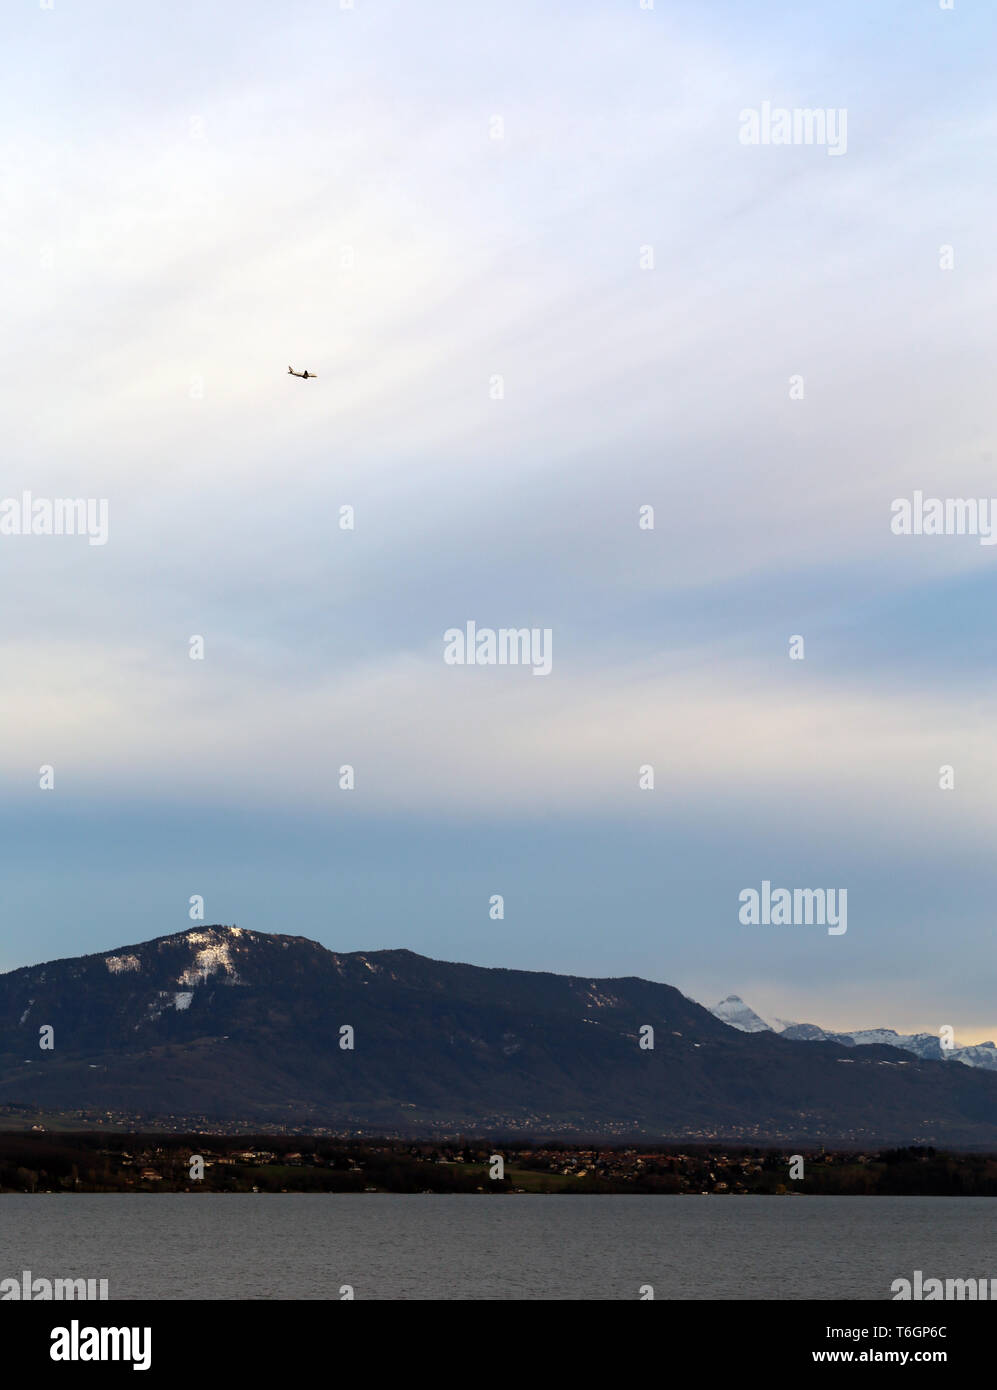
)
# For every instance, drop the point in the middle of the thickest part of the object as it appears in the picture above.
(218, 1026)
(735, 1012)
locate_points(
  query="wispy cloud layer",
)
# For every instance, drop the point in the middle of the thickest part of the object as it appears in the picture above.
(520, 342)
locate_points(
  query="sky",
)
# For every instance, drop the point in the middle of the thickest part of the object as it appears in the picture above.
(544, 283)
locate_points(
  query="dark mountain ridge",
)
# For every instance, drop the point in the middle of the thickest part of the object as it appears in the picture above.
(224, 1025)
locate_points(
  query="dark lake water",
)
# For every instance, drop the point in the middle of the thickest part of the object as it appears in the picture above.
(176, 1246)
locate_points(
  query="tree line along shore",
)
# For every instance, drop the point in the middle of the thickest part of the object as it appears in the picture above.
(45, 1163)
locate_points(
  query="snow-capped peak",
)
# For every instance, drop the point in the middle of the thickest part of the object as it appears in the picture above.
(734, 1011)
(737, 1014)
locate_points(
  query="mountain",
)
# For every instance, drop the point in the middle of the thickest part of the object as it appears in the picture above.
(227, 1027)
(978, 1055)
(736, 1013)
(734, 1010)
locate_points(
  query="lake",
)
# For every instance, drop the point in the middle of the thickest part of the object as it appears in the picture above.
(387, 1246)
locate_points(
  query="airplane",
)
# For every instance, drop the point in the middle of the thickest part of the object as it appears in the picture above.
(301, 374)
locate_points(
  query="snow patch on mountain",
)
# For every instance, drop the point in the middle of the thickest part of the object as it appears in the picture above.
(117, 964)
(214, 956)
(594, 998)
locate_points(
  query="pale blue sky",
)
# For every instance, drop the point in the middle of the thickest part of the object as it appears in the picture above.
(184, 191)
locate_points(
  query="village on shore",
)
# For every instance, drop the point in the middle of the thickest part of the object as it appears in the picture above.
(46, 1162)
